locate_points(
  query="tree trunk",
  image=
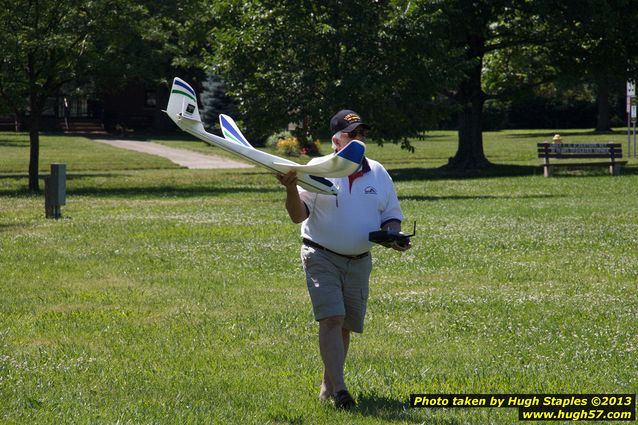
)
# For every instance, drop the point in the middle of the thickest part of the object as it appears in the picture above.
(470, 96)
(470, 154)
(603, 122)
(34, 154)
(306, 144)
(36, 104)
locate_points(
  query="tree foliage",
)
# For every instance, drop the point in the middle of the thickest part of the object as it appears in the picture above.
(48, 44)
(215, 101)
(45, 45)
(479, 34)
(300, 61)
(599, 47)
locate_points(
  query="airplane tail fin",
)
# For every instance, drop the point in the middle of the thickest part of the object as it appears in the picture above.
(353, 151)
(182, 106)
(231, 131)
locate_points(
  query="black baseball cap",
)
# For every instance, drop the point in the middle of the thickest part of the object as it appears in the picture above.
(346, 120)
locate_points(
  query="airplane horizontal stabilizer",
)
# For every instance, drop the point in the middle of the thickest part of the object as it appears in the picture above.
(231, 131)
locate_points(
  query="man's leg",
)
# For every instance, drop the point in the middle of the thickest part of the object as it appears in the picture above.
(331, 346)
(327, 389)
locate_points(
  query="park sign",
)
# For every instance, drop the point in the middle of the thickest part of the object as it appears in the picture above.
(631, 122)
(632, 115)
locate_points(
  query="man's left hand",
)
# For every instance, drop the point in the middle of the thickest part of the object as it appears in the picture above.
(401, 246)
(395, 227)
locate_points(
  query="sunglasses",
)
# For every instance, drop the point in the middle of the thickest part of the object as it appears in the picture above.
(358, 132)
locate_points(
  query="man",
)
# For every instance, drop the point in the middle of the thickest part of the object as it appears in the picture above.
(336, 251)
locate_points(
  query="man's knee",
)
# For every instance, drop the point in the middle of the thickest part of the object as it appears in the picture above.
(332, 322)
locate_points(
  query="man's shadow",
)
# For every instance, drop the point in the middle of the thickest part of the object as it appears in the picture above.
(396, 410)
(387, 409)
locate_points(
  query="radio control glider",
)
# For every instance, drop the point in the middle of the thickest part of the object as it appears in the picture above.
(182, 109)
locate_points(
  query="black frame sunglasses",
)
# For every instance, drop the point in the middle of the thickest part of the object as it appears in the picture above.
(356, 132)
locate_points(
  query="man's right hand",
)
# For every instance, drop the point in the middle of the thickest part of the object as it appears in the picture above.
(289, 180)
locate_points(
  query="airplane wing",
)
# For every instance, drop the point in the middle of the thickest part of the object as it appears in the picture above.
(341, 164)
(182, 109)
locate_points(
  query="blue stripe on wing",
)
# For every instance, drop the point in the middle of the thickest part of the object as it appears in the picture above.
(226, 126)
(186, 86)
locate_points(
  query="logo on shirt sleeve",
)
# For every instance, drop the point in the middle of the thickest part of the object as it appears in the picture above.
(370, 190)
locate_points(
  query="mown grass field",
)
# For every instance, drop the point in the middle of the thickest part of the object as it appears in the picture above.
(174, 296)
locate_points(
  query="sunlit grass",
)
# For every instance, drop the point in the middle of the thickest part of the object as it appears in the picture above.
(177, 296)
(79, 153)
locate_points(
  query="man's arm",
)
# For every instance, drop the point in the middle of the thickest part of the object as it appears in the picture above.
(294, 205)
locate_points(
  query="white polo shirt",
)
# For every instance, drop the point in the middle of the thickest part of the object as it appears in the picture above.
(341, 223)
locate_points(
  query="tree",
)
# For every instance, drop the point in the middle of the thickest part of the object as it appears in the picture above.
(395, 61)
(473, 30)
(10, 100)
(598, 46)
(45, 45)
(301, 61)
(574, 49)
(215, 100)
(150, 41)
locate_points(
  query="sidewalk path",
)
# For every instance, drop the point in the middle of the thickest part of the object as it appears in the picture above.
(183, 157)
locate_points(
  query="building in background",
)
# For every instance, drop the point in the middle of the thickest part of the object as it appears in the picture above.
(135, 107)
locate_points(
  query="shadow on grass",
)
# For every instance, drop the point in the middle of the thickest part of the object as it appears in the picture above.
(74, 176)
(411, 174)
(7, 227)
(387, 409)
(478, 197)
(497, 170)
(145, 192)
(155, 191)
(14, 144)
(167, 191)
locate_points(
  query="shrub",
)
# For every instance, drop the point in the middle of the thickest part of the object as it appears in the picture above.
(276, 137)
(314, 149)
(288, 146)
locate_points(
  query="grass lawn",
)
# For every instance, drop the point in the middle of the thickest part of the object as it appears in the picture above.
(176, 296)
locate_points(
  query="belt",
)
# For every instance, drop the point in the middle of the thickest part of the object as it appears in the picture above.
(315, 245)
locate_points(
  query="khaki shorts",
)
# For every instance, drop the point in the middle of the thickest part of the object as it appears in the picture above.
(337, 285)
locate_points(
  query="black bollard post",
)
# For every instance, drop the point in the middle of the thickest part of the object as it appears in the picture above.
(55, 191)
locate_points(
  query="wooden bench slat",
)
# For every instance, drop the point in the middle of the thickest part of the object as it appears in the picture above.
(586, 164)
(601, 154)
(576, 156)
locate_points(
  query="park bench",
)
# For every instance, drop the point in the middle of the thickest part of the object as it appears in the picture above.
(611, 151)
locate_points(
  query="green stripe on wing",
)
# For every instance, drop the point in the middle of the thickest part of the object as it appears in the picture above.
(228, 135)
(184, 93)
